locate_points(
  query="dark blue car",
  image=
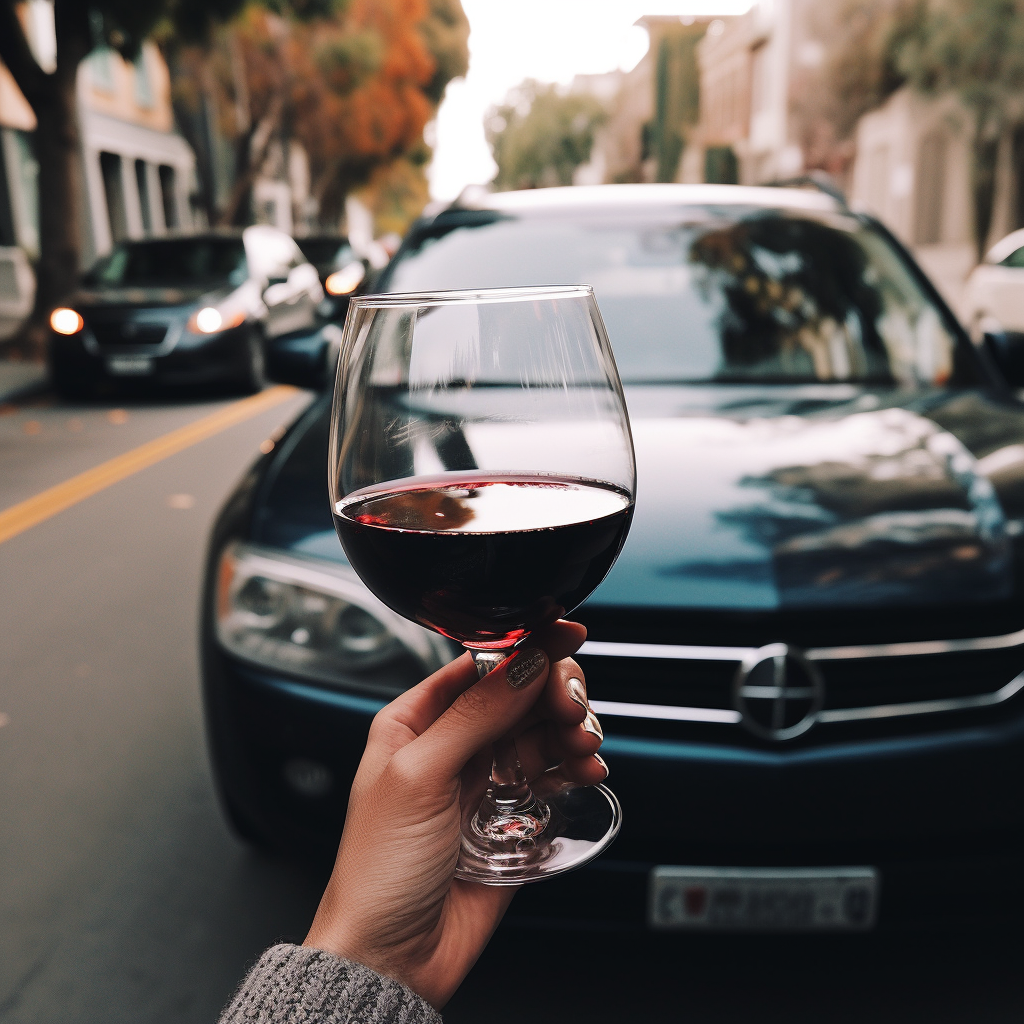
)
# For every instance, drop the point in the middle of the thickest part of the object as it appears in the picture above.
(808, 657)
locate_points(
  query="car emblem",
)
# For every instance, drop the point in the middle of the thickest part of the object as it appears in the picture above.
(777, 692)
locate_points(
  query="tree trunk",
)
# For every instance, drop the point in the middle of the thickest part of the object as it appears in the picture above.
(1017, 164)
(251, 152)
(52, 97)
(985, 153)
(58, 146)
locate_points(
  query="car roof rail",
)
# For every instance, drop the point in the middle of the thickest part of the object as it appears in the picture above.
(816, 180)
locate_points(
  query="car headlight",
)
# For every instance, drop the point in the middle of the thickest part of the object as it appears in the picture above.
(346, 280)
(212, 319)
(66, 321)
(316, 620)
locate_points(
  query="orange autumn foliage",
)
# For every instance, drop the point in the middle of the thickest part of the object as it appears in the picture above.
(352, 88)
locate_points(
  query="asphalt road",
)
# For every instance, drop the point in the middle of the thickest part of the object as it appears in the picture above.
(124, 898)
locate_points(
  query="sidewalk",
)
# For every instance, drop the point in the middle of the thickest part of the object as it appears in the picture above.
(20, 380)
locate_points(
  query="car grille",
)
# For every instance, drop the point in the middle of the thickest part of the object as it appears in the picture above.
(115, 334)
(859, 685)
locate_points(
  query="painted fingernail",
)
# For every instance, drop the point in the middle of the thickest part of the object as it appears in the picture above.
(526, 667)
(592, 725)
(601, 761)
(577, 692)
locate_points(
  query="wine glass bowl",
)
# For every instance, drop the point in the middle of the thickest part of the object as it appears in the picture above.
(482, 482)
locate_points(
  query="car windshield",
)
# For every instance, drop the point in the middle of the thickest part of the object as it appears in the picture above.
(172, 262)
(723, 294)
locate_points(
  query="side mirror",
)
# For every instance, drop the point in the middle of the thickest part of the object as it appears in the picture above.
(305, 359)
(276, 290)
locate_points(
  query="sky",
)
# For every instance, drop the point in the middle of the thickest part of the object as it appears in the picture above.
(550, 40)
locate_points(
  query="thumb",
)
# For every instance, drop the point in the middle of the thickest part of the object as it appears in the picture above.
(483, 713)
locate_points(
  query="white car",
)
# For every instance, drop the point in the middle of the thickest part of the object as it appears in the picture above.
(995, 305)
(995, 288)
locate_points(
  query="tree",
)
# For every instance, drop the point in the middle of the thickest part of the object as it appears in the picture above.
(541, 134)
(355, 85)
(397, 192)
(80, 27)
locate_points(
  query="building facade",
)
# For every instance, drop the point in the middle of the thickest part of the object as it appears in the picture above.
(909, 163)
(139, 172)
(652, 109)
(913, 171)
(759, 120)
(19, 205)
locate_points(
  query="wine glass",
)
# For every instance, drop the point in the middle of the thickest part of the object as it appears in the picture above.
(482, 481)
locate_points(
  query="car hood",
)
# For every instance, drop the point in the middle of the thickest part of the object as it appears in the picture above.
(766, 498)
(147, 298)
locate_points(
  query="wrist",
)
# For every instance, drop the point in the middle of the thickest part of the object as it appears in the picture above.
(343, 946)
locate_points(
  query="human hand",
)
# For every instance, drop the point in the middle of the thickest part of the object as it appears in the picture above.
(393, 902)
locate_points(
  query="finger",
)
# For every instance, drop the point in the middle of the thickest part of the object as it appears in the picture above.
(421, 706)
(561, 639)
(479, 716)
(564, 700)
(565, 696)
(584, 771)
(547, 745)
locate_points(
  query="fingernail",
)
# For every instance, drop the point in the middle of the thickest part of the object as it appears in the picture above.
(592, 725)
(600, 760)
(577, 692)
(526, 667)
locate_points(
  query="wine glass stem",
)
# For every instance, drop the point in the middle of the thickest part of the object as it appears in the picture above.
(505, 768)
(509, 793)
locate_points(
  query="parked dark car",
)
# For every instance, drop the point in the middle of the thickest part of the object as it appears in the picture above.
(183, 310)
(328, 253)
(308, 358)
(342, 271)
(807, 659)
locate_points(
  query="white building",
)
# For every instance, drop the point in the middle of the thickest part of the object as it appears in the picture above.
(139, 171)
(913, 172)
(754, 71)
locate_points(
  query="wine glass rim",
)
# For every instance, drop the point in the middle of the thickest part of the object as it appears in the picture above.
(473, 295)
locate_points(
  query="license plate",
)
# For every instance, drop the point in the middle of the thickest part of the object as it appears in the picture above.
(763, 899)
(130, 366)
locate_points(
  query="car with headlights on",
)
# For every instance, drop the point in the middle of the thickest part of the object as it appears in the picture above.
(343, 272)
(809, 656)
(183, 310)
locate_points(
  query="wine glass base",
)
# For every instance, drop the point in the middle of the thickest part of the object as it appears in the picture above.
(584, 821)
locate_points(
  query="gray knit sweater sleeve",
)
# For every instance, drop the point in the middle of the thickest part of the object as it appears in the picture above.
(299, 985)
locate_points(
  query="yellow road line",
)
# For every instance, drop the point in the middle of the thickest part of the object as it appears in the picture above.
(35, 510)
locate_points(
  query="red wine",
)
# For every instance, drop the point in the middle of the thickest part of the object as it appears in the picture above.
(484, 559)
